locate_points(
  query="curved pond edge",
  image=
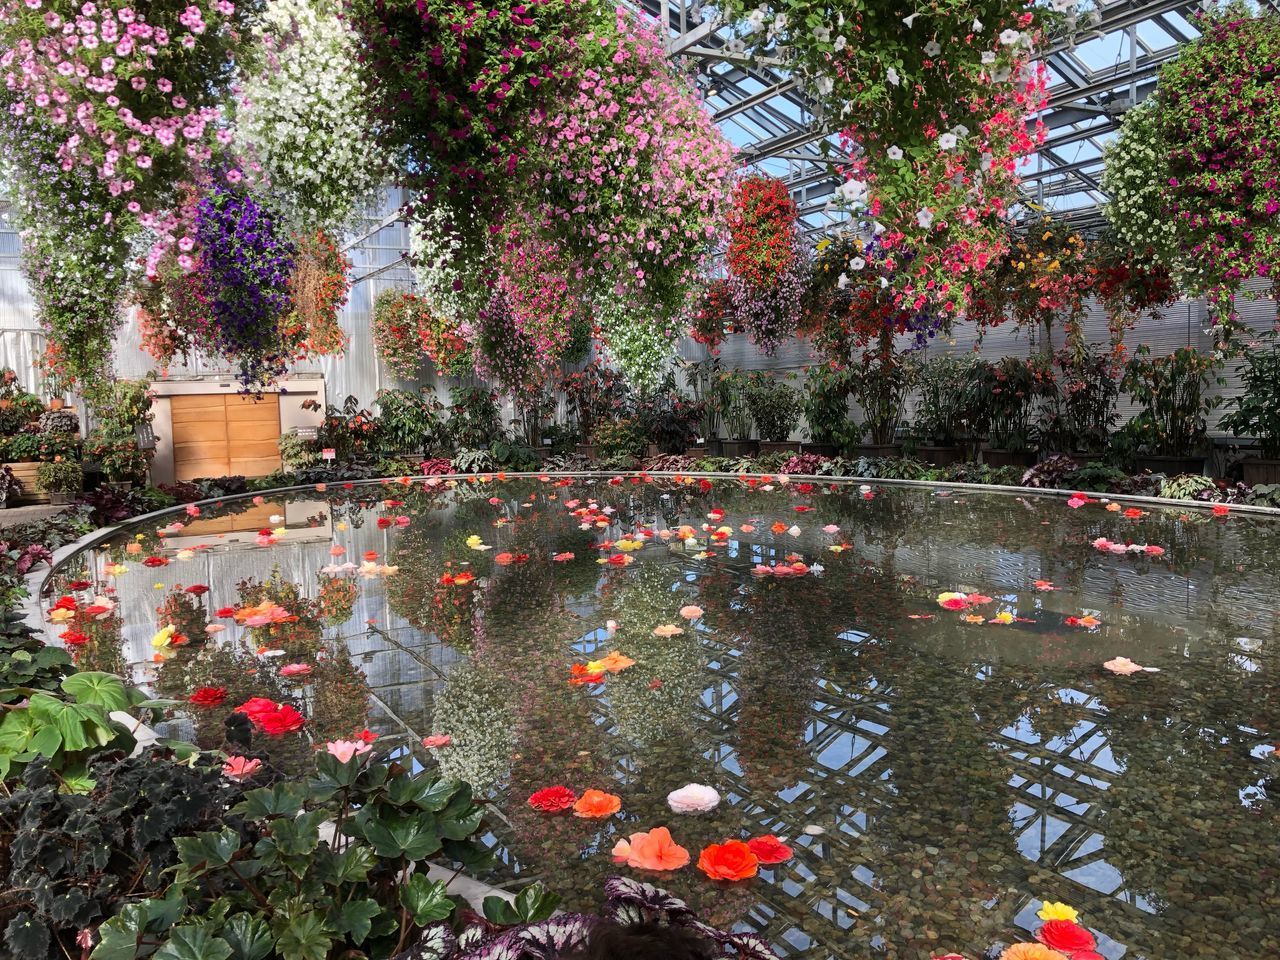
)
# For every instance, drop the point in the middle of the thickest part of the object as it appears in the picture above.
(38, 583)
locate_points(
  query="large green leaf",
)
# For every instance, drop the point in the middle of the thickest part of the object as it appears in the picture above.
(426, 900)
(535, 902)
(413, 837)
(27, 937)
(350, 866)
(303, 937)
(249, 937)
(281, 800)
(355, 918)
(464, 827)
(102, 689)
(193, 943)
(206, 850)
(118, 938)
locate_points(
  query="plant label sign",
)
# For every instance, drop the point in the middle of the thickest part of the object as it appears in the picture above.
(328, 453)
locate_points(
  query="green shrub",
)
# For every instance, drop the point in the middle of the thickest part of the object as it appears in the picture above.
(59, 476)
(774, 405)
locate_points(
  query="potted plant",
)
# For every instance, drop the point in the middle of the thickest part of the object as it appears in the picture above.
(1257, 412)
(620, 437)
(708, 389)
(881, 388)
(943, 411)
(669, 419)
(408, 421)
(1082, 409)
(1004, 395)
(828, 426)
(21, 451)
(775, 408)
(61, 479)
(737, 417)
(1170, 433)
(10, 486)
(121, 461)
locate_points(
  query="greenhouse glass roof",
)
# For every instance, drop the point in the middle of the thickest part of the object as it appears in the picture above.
(1107, 65)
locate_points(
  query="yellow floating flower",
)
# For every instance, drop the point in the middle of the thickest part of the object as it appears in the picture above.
(1052, 910)
(163, 636)
(1004, 616)
(628, 545)
(116, 569)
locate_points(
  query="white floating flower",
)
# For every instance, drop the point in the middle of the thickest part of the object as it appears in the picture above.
(693, 798)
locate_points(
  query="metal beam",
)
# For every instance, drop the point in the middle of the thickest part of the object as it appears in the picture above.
(755, 100)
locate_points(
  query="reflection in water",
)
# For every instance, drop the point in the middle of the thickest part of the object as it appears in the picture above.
(952, 768)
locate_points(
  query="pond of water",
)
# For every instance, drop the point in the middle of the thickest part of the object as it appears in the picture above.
(905, 684)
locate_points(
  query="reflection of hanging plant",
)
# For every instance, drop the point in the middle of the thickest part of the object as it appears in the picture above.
(396, 318)
(337, 599)
(245, 268)
(319, 288)
(474, 709)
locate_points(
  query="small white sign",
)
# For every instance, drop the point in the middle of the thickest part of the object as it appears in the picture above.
(328, 453)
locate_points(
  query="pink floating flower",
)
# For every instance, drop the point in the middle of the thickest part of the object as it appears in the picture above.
(345, 750)
(436, 741)
(296, 670)
(240, 769)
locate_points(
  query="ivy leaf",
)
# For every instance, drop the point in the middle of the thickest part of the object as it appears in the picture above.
(535, 902)
(193, 943)
(27, 937)
(414, 838)
(350, 866)
(118, 937)
(248, 936)
(206, 850)
(101, 689)
(303, 937)
(426, 900)
(355, 918)
(281, 800)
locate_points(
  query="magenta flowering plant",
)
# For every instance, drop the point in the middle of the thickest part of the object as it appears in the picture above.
(108, 106)
(1218, 111)
(635, 170)
(455, 87)
(932, 103)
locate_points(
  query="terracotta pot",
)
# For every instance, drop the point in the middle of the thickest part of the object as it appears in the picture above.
(740, 448)
(61, 499)
(941, 456)
(5, 404)
(779, 446)
(1256, 470)
(1009, 458)
(587, 450)
(57, 403)
(1171, 466)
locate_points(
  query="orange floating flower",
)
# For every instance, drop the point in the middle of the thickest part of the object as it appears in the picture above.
(596, 804)
(667, 630)
(654, 850)
(731, 860)
(614, 662)
(1031, 951)
(581, 674)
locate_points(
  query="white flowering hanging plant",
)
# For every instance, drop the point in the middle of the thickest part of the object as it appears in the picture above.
(302, 115)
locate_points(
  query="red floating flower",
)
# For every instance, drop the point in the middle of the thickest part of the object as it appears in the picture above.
(769, 849)
(1065, 936)
(208, 697)
(552, 799)
(155, 562)
(197, 590)
(73, 638)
